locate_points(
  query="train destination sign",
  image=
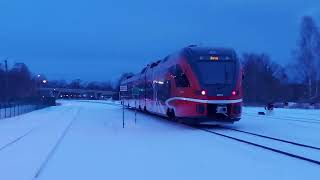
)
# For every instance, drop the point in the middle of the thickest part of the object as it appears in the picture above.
(123, 88)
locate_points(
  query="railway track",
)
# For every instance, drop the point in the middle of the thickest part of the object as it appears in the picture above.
(53, 149)
(97, 102)
(17, 139)
(273, 138)
(283, 149)
(288, 148)
(22, 136)
(312, 121)
(56, 145)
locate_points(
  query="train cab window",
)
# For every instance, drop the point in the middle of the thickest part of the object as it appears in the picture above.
(180, 77)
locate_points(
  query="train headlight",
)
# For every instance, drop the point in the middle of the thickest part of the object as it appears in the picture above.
(203, 92)
(234, 93)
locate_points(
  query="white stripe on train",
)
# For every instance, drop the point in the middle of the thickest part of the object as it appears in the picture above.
(202, 101)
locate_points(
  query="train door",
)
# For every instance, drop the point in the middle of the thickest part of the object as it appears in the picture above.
(153, 104)
(163, 94)
(153, 100)
(144, 101)
(143, 88)
(149, 91)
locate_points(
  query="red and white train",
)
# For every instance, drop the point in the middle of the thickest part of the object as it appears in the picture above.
(194, 85)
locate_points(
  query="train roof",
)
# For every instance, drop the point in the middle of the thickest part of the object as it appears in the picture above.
(197, 50)
(130, 79)
(192, 50)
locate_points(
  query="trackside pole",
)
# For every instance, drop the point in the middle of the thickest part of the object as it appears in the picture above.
(135, 112)
(123, 89)
(122, 113)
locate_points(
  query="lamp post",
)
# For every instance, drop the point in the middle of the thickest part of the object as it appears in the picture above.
(36, 85)
(6, 81)
(39, 82)
(6, 91)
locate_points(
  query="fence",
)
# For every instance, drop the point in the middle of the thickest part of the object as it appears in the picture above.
(12, 109)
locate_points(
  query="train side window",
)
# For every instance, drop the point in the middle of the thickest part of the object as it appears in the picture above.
(180, 77)
(149, 90)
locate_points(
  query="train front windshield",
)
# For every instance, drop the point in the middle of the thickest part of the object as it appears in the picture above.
(215, 69)
(211, 73)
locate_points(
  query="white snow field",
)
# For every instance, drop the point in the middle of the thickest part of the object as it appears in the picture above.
(85, 140)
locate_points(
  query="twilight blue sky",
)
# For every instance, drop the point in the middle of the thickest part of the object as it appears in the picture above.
(99, 39)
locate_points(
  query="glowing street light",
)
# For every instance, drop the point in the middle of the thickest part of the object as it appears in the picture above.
(44, 81)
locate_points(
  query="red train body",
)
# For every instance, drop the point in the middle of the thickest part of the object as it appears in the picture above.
(194, 85)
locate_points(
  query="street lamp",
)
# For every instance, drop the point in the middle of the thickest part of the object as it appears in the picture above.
(6, 81)
(37, 82)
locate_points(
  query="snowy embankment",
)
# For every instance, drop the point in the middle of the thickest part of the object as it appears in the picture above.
(97, 147)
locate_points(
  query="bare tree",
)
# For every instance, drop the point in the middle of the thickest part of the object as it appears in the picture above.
(305, 55)
(20, 81)
(317, 59)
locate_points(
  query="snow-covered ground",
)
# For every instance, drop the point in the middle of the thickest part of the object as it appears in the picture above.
(301, 125)
(84, 140)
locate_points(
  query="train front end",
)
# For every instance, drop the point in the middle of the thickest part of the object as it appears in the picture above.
(217, 92)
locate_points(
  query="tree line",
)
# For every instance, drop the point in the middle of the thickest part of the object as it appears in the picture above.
(19, 83)
(299, 81)
(79, 84)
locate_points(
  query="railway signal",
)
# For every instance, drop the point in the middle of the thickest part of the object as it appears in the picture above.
(123, 89)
